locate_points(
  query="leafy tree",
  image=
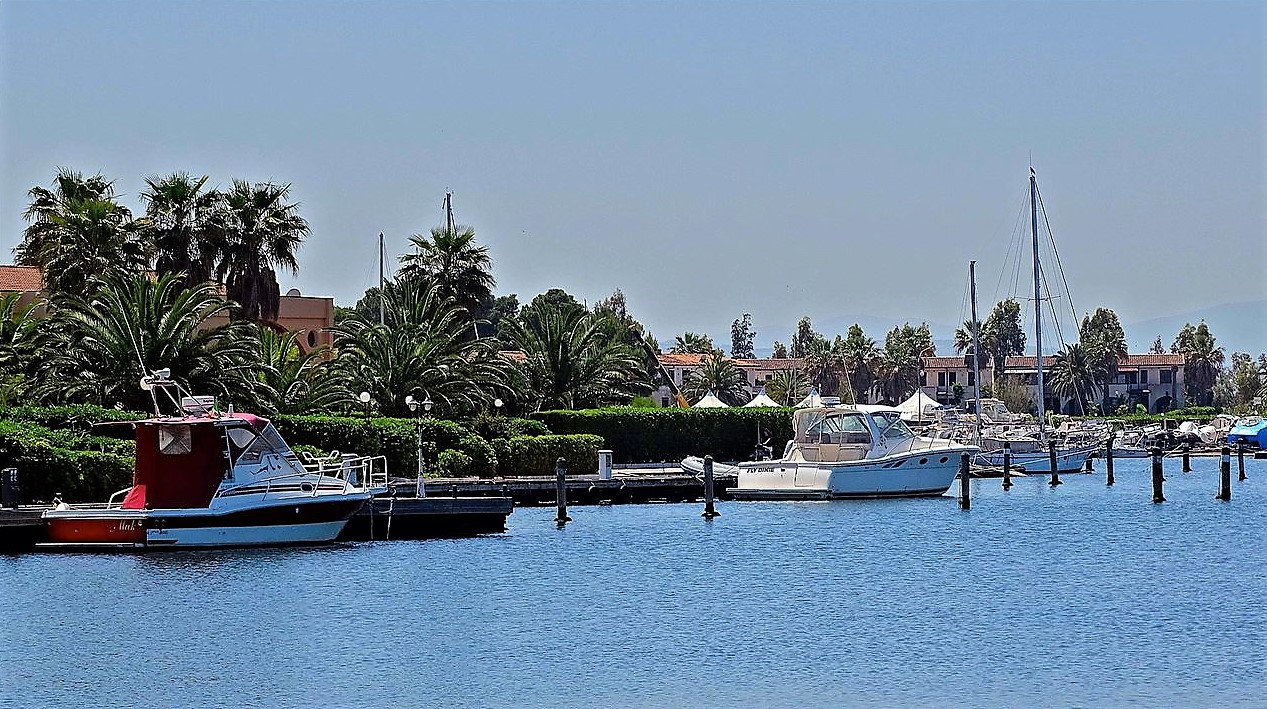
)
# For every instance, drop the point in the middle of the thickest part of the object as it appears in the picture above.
(1076, 373)
(898, 370)
(262, 232)
(422, 352)
(1157, 347)
(1239, 388)
(692, 343)
(787, 386)
(184, 223)
(1003, 331)
(452, 259)
(741, 337)
(572, 362)
(1203, 360)
(553, 299)
(779, 351)
(504, 307)
(1104, 342)
(988, 342)
(719, 375)
(291, 381)
(1014, 394)
(131, 326)
(803, 339)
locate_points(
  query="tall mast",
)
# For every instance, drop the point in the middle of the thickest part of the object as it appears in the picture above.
(382, 316)
(976, 347)
(448, 212)
(1038, 305)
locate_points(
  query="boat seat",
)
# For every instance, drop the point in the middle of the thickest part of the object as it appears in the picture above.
(835, 452)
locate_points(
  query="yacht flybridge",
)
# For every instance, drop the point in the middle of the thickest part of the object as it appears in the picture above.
(205, 479)
(849, 453)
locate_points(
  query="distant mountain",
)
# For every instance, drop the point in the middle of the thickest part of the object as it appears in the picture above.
(1237, 327)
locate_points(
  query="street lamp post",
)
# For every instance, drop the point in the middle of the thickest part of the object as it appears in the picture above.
(497, 406)
(419, 409)
(364, 398)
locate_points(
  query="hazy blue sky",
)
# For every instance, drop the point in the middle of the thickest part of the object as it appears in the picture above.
(838, 160)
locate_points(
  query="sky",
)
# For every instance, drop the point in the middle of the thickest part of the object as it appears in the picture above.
(837, 160)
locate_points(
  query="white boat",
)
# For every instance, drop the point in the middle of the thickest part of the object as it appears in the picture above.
(204, 479)
(842, 453)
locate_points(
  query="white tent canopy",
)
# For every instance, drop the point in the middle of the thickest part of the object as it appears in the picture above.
(761, 399)
(811, 401)
(919, 407)
(710, 401)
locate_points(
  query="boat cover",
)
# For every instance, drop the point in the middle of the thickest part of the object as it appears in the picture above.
(179, 464)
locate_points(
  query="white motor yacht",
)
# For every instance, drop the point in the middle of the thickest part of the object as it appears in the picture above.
(847, 453)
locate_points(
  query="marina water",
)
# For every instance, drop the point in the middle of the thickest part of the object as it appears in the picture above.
(1076, 596)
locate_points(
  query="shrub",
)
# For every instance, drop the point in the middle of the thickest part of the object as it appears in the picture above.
(53, 462)
(453, 464)
(77, 417)
(536, 455)
(396, 439)
(491, 428)
(664, 435)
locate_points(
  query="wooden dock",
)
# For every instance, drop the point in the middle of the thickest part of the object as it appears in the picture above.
(400, 518)
(626, 486)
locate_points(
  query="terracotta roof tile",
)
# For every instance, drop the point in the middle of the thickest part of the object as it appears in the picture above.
(21, 279)
(514, 355)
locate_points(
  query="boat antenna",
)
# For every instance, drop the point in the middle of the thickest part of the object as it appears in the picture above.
(1038, 306)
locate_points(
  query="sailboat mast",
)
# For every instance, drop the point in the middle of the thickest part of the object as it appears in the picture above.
(976, 347)
(382, 315)
(1038, 304)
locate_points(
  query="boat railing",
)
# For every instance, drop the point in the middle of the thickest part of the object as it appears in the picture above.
(111, 504)
(367, 471)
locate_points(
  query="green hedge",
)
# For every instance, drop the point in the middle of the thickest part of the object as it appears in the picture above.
(80, 416)
(536, 455)
(61, 462)
(668, 435)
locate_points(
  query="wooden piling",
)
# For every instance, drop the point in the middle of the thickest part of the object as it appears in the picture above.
(1187, 458)
(709, 511)
(1108, 462)
(1051, 455)
(1007, 465)
(1225, 475)
(965, 496)
(1157, 476)
(561, 490)
(1090, 467)
(1240, 460)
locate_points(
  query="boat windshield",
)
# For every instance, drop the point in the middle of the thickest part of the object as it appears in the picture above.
(838, 428)
(892, 427)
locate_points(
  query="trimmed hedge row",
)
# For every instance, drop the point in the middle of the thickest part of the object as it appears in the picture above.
(536, 455)
(638, 435)
(59, 462)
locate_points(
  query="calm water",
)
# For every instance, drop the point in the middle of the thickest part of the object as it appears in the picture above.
(1080, 596)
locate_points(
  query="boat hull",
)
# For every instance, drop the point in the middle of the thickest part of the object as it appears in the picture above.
(1067, 461)
(920, 474)
(289, 522)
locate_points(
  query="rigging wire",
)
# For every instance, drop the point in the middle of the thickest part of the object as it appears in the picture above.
(1051, 237)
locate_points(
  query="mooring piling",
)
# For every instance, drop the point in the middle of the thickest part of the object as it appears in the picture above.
(1090, 467)
(709, 511)
(561, 490)
(1187, 458)
(1157, 477)
(10, 492)
(1240, 460)
(1051, 455)
(1007, 465)
(1225, 475)
(965, 496)
(1108, 462)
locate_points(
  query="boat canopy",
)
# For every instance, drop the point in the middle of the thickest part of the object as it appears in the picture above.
(179, 463)
(1253, 432)
(830, 425)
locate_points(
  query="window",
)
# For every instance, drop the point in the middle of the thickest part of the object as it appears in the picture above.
(1143, 376)
(1166, 376)
(972, 379)
(1132, 377)
(941, 379)
(174, 440)
(664, 402)
(768, 377)
(953, 377)
(923, 379)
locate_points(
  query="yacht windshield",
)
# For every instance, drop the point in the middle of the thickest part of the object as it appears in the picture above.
(892, 426)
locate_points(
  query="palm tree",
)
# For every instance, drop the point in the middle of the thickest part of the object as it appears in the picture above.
(861, 356)
(1202, 360)
(787, 386)
(571, 362)
(825, 364)
(1076, 373)
(262, 232)
(451, 258)
(21, 339)
(692, 343)
(423, 353)
(291, 381)
(46, 204)
(131, 326)
(722, 377)
(185, 225)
